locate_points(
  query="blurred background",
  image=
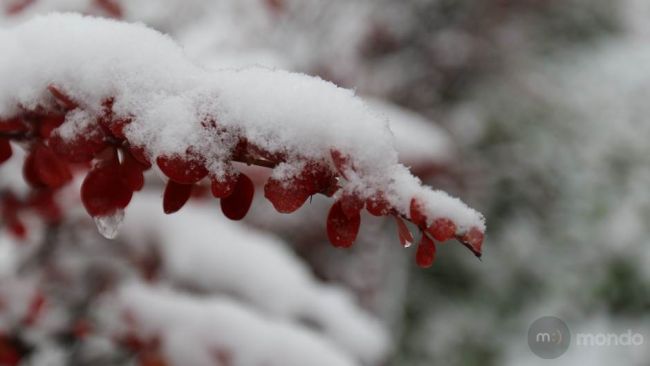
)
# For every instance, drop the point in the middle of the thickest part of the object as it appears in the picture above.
(534, 112)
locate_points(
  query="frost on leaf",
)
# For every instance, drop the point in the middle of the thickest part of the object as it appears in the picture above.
(124, 114)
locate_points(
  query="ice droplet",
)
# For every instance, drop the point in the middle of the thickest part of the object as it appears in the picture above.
(407, 244)
(109, 225)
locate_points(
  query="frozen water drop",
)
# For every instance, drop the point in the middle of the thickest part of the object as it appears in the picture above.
(407, 244)
(109, 225)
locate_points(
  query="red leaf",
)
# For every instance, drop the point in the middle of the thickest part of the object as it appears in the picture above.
(43, 202)
(426, 252)
(320, 179)
(82, 328)
(442, 229)
(14, 125)
(103, 191)
(18, 6)
(405, 236)
(417, 215)
(29, 172)
(351, 205)
(473, 240)
(342, 230)
(35, 309)
(140, 155)
(111, 7)
(81, 148)
(49, 123)
(176, 195)
(50, 169)
(288, 196)
(377, 205)
(151, 358)
(66, 102)
(182, 170)
(222, 188)
(132, 171)
(341, 162)
(9, 354)
(17, 228)
(236, 206)
(5, 150)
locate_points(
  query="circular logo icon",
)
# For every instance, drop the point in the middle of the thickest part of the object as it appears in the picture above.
(549, 337)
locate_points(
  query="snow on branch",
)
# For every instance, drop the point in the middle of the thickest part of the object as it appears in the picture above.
(124, 96)
(204, 330)
(221, 256)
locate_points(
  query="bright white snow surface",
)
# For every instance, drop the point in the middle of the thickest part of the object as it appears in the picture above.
(195, 330)
(168, 97)
(210, 254)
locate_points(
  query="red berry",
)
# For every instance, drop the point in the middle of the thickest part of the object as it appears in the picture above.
(182, 170)
(405, 236)
(236, 206)
(342, 230)
(176, 195)
(132, 171)
(223, 187)
(103, 191)
(473, 240)
(442, 229)
(417, 213)
(5, 150)
(377, 205)
(49, 168)
(426, 252)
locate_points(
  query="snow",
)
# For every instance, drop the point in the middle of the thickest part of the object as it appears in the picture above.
(222, 286)
(168, 97)
(418, 140)
(194, 329)
(209, 254)
(11, 178)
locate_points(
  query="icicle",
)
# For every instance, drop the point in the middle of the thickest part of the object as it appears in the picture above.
(109, 225)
